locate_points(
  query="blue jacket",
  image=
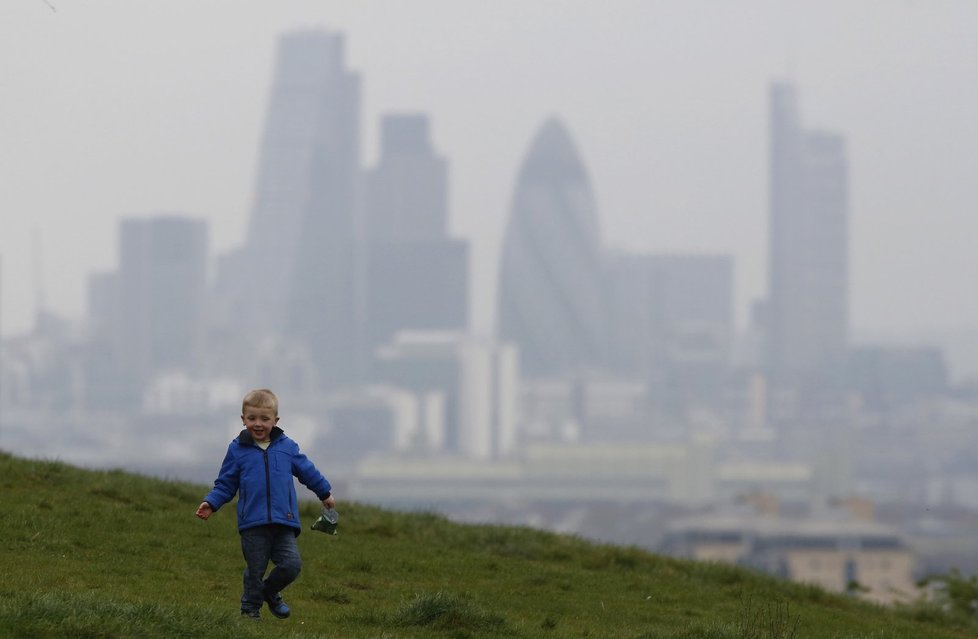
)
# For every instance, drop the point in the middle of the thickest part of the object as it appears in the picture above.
(263, 479)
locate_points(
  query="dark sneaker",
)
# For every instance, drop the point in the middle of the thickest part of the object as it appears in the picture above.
(277, 606)
(251, 614)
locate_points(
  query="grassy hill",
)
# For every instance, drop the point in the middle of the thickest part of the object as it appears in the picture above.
(105, 554)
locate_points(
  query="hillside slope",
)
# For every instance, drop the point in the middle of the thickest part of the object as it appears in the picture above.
(110, 554)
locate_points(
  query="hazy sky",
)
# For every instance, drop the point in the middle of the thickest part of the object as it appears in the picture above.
(130, 108)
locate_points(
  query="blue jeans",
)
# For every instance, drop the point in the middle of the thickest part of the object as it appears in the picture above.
(260, 545)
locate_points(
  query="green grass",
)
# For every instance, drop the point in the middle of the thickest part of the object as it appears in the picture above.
(107, 554)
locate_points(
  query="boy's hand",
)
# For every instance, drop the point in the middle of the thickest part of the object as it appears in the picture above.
(329, 502)
(204, 510)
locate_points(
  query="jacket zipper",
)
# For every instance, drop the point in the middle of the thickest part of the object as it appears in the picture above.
(268, 487)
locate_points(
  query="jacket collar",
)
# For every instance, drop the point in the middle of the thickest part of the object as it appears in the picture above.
(245, 438)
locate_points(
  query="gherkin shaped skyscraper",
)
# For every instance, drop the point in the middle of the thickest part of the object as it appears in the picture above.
(550, 298)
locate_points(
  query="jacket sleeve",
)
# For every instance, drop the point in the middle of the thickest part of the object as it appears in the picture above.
(309, 476)
(226, 484)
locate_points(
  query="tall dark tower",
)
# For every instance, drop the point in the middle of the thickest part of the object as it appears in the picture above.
(550, 295)
(808, 310)
(407, 192)
(300, 254)
(416, 274)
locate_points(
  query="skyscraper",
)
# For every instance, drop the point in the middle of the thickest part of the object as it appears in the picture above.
(807, 323)
(631, 293)
(416, 275)
(407, 192)
(672, 323)
(300, 252)
(550, 296)
(161, 282)
(693, 320)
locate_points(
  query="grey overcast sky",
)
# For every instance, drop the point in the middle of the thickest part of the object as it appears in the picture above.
(131, 108)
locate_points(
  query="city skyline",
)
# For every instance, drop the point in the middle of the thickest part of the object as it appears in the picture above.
(901, 281)
(621, 374)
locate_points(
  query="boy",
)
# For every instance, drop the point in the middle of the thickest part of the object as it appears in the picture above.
(259, 466)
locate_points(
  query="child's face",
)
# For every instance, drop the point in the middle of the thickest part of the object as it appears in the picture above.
(259, 422)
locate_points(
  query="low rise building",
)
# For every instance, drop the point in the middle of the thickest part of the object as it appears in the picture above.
(862, 558)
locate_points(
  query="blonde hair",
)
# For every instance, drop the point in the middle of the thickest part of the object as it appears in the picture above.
(260, 398)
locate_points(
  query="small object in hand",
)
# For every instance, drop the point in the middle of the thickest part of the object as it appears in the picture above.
(327, 522)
